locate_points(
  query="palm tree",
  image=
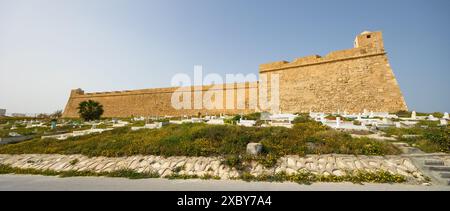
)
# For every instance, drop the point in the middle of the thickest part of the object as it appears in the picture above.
(90, 110)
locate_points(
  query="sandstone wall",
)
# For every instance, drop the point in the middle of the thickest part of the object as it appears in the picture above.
(348, 80)
(157, 102)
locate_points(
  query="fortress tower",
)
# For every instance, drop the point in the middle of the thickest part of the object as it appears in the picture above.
(369, 40)
(347, 80)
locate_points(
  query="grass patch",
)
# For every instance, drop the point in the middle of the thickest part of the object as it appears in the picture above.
(209, 177)
(74, 161)
(126, 173)
(430, 137)
(131, 174)
(305, 177)
(181, 176)
(186, 176)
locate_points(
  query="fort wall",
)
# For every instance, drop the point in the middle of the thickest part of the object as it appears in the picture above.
(347, 80)
(157, 102)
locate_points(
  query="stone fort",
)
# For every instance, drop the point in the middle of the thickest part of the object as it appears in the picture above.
(347, 80)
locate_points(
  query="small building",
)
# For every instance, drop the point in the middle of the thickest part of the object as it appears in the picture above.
(2, 112)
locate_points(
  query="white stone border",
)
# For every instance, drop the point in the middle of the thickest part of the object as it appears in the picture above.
(331, 164)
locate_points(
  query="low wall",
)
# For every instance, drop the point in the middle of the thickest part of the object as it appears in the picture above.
(318, 164)
(10, 140)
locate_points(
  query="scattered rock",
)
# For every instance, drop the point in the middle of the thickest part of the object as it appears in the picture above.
(254, 148)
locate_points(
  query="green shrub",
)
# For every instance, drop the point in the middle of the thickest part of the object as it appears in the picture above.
(90, 110)
(131, 174)
(233, 161)
(403, 114)
(180, 176)
(268, 161)
(438, 114)
(127, 173)
(431, 137)
(302, 119)
(209, 176)
(306, 177)
(178, 169)
(73, 162)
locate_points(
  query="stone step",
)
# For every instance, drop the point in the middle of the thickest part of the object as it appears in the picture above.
(434, 162)
(438, 168)
(411, 150)
(445, 175)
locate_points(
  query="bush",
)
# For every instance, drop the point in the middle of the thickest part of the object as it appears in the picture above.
(233, 161)
(430, 137)
(268, 161)
(90, 110)
(252, 116)
(331, 141)
(439, 137)
(403, 114)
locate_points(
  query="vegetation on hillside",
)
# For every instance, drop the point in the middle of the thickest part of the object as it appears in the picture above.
(427, 136)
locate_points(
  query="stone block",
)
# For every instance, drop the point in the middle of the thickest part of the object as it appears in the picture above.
(254, 148)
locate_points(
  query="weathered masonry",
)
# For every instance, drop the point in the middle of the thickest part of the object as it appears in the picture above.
(348, 80)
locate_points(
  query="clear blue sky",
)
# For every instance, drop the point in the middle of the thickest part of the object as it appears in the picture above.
(49, 47)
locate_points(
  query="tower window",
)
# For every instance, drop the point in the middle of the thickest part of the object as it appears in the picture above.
(368, 36)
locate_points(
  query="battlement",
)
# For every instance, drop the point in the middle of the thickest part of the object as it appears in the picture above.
(79, 93)
(366, 44)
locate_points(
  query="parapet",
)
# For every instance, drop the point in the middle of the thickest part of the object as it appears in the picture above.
(273, 65)
(366, 44)
(79, 93)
